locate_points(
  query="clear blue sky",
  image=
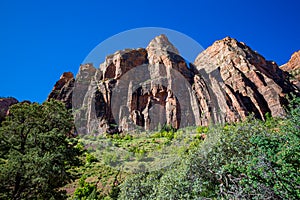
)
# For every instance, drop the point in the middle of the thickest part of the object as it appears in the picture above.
(39, 40)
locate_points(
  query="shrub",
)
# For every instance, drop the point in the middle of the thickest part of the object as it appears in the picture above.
(90, 158)
(85, 191)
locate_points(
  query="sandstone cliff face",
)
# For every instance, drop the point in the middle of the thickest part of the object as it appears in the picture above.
(5, 103)
(141, 88)
(63, 88)
(293, 67)
(242, 82)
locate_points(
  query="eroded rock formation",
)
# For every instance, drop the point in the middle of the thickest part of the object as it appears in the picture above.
(242, 82)
(293, 67)
(145, 87)
(63, 88)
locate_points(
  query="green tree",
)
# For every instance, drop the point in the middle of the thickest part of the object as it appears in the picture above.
(274, 164)
(37, 151)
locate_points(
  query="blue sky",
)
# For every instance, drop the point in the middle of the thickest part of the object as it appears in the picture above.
(39, 40)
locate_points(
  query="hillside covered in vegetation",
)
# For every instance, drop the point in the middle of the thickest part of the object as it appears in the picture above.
(41, 159)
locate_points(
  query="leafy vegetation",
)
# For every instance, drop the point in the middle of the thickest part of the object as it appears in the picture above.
(85, 190)
(36, 151)
(247, 160)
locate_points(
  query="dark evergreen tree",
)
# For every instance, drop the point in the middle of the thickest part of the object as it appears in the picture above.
(36, 151)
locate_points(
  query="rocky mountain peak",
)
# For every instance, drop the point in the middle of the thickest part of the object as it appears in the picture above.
(247, 81)
(161, 43)
(293, 63)
(293, 67)
(63, 88)
(67, 76)
(139, 87)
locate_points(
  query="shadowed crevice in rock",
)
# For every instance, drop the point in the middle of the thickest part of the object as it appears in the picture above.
(255, 104)
(158, 106)
(214, 112)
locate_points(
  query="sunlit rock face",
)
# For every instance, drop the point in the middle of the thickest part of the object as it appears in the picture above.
(63, 89)
(293, 68)
(147, 87)
(242, 81)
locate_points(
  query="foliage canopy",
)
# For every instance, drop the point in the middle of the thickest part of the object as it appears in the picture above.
(36, 151)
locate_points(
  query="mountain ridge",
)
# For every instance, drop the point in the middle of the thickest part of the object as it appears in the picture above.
(227, 82)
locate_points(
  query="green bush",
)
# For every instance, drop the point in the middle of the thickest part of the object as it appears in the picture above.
(85, 191)
(90, 158)
(166, 134)
(202, 129)
(110, 158)
(128, 137)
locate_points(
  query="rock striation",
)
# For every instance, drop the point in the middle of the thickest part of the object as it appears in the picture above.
(242, 82)
(293, 68)
(145, 87)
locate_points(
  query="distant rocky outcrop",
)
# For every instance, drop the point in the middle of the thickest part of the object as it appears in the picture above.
(63, 89)
(5, 103)
(145, 87)
(293, 68)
